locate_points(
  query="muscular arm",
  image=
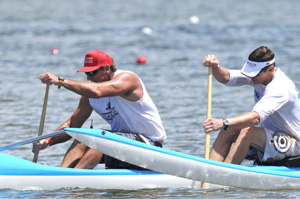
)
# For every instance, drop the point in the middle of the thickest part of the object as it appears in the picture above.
(77, 119)
(220, 73)
(81, 114)
(126, 85)
(244, 120)
(238, 122)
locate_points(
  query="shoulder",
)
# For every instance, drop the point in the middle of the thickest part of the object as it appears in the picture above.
(128, 81)
(236, 78)
(125, 75)
(280, 86)
(281, 81)
(124, 72)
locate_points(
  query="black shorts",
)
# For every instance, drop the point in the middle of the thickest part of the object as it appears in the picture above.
(112, 163)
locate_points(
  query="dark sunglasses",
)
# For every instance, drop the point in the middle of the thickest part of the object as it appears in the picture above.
(94, 72)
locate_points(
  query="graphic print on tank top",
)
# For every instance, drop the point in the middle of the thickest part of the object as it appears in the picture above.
(110, 112)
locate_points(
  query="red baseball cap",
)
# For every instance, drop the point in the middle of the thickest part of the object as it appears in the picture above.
(94, 59)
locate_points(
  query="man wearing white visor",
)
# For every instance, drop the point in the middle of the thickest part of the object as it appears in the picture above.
(272, 129)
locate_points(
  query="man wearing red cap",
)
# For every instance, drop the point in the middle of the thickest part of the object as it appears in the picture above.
(276, 109)
(119, 97)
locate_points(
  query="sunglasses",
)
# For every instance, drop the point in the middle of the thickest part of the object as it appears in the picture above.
(94, 72)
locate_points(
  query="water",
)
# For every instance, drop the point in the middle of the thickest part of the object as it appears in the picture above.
(174, 75)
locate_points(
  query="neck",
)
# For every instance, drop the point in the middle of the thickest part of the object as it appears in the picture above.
(111, 75)
(270, 77)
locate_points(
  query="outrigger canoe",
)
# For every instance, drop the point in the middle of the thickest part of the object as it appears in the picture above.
(20, 174)
(188, 166)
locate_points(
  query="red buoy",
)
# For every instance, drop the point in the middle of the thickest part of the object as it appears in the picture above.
(141, 60)
(54, 51)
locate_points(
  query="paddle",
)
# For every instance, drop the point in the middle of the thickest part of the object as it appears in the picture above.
(205, 185)
(42, 121)
(32, 140)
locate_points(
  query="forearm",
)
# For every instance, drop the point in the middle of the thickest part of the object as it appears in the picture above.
(59, 139)
(221, 74)
(83, 88)
(87, 89)
(244, 120)
(239, 122)
(75, 121)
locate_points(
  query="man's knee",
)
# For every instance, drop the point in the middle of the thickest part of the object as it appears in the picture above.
(254, 135)
(247, 131)
(78, 146)
(229, 135)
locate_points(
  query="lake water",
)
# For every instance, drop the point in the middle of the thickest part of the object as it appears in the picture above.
(174, 75)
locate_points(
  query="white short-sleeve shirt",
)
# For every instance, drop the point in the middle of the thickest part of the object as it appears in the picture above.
(277, 103)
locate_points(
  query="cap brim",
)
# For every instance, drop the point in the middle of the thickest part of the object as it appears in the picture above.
(249, 71)
(88, 69)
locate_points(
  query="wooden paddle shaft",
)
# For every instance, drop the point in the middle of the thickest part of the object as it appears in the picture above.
(205, 185)
(42, 121)
(208, 114)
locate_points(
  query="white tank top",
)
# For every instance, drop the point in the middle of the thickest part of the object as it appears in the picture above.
(140, 117)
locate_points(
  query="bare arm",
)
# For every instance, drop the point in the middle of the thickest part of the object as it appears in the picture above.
(126, 85)
(238, 122)
(220, 73)
(77, 119)
(81, 114)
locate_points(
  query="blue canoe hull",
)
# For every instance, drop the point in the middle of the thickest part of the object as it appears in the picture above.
(17, 173)
(188, 166)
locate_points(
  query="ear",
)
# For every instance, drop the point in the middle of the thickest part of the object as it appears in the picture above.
(107, 68)
(271, 68)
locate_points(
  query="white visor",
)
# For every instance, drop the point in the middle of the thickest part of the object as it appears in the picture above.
(252, 68)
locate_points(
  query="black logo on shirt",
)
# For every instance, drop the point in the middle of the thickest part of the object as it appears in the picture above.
(111, 112)
(256, 93)
(108, 106)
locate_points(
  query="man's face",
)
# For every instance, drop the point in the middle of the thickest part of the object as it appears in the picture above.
(263, 77)
(99, 75)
